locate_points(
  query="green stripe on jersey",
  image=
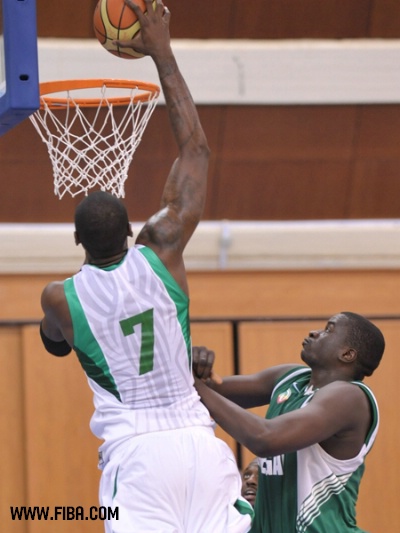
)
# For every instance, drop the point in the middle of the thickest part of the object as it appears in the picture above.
(374, 408)
(244, 507)
(175, 292)
(95, 366)
(115, 484)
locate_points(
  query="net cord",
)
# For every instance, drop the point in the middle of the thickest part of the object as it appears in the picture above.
(85, 153)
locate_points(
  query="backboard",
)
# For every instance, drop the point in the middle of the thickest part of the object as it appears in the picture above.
(19, 78)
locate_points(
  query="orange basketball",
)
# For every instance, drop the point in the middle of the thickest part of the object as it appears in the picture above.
(114, 20)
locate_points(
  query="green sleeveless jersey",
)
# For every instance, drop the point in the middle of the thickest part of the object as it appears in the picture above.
(308, 491)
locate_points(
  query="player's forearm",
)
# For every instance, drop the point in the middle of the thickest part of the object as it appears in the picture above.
(241, 390)
(185, 190)
(183, 115)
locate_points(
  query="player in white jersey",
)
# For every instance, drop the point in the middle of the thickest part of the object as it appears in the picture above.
(320, 424)
(126, 315)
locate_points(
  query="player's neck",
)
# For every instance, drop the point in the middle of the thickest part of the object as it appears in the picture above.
(107, 261)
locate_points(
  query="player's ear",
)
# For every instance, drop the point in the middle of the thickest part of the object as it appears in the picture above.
(77, 239)
(130, 232)
(349, 355)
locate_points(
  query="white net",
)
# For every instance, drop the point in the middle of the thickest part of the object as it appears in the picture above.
(92, 146)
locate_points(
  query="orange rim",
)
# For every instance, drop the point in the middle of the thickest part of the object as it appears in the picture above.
(146, 91)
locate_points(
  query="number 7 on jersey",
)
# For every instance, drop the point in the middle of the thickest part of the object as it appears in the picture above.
(146, 361)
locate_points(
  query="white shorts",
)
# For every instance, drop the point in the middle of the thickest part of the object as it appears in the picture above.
(177, 481)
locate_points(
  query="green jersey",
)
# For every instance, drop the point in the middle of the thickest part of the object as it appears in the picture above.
(308, 491)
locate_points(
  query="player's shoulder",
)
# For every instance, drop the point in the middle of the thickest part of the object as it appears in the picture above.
(343, 385)
(53, 286)
(279, 375)
(343, 391)
(52, 292)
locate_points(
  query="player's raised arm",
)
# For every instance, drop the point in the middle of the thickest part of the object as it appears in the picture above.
(182, 202)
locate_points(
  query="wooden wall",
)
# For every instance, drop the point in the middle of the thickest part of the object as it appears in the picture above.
(268, 163)
(49, 454)
(234, 19)
(272, 162)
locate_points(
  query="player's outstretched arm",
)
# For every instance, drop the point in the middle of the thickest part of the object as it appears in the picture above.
(182, 203)
(326, 420)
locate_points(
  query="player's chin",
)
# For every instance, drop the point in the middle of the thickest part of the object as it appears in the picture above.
(303, 356)
(251, 498)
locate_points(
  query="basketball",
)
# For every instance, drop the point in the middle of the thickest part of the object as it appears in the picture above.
(114, 20)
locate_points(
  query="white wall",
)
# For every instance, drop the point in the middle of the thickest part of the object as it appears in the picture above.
(248, 71)
(224, 245)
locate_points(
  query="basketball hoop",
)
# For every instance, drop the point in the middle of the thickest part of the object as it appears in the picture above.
(91, 129)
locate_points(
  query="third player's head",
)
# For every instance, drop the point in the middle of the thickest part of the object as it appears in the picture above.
(350, 346)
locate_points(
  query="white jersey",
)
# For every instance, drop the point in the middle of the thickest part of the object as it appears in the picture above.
(132, 337)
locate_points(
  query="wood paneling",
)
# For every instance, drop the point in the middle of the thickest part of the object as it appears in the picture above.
(283, 133)
(379, 478)
(300, 189)
(377, 132)
(249, 294)
(291, 19)
(20, 296)
(375, 188)
(267, 163)
(13, 435)
(304, 162)
(202, 20)
(305, 294)
(61, 452)
(230, 19)
(384, 19)
(68, 19)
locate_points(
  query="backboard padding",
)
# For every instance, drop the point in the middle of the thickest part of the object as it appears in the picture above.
(19, 78)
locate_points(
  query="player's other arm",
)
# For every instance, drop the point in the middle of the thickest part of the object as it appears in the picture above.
(327, 420)
(250, 390)
(51, 328)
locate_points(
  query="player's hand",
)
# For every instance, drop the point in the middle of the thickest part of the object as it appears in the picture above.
(153, 39)
(203, 362)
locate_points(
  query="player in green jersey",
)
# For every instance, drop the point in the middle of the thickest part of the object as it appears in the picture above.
(321, 422)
